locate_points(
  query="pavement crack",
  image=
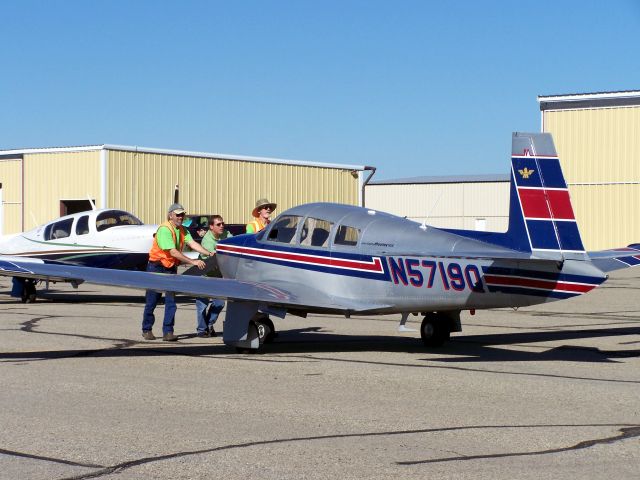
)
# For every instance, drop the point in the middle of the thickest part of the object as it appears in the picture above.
(628, 431)
(48, 459)
(624, 433)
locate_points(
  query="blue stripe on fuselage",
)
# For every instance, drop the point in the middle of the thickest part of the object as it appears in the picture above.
(539, 275)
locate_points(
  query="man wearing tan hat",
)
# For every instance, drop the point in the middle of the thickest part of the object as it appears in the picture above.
(164, 257)
(261, 215)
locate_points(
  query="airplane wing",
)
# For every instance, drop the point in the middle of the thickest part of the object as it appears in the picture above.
(284, 295)
(616, 259)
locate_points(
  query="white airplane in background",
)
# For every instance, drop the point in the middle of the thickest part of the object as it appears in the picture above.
(104, 238)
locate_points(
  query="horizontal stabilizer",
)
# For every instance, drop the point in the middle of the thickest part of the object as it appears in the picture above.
(616, 259)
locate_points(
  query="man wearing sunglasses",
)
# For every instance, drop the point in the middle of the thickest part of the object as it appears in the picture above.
(164, 257)
(208, 309)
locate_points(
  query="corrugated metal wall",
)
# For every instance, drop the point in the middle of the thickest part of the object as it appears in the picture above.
(11, 179)
(598, 150)
(445, 205)
(51, 177)
(143, 183)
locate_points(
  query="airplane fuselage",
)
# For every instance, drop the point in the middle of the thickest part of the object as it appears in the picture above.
(103, 238)
(414, 269)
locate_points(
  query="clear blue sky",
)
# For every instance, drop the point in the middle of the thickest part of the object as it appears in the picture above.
(411, 87)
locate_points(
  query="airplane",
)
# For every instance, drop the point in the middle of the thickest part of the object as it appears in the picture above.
(101, 238)
(348, 260)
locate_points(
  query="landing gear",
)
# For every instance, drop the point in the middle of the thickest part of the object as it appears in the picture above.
(29, 291)
(262, 328)
(435, 329)
(266, 329)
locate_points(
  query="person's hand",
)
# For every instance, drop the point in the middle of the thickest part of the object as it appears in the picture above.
(199, 263)
(211, 254)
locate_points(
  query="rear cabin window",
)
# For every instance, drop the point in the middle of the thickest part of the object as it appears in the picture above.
(115, 218)
(347, 236)
(284, 229)
(61, 229)
(315, 232)
(82, 227)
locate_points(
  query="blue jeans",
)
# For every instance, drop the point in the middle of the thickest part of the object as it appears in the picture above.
(151, 300)
(207, 311)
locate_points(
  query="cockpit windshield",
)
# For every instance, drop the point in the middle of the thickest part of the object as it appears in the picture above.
(284, 229)
(115, 218)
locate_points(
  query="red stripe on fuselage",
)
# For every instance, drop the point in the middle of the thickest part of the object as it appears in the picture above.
(374, 266)
(538, 284)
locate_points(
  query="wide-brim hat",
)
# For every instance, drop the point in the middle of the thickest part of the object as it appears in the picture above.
(263, 203)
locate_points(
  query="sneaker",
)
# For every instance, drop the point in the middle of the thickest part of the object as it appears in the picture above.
(148, 335)
(202, 334)
(212, 332)
(169, 337)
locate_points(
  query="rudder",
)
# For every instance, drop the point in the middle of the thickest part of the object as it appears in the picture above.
(541, 217)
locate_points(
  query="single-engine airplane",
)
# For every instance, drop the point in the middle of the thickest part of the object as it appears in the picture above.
(104, 238)
(331, 258)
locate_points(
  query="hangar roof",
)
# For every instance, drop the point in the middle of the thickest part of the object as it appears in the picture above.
(589, 100)
(182, 153)
(445, 179)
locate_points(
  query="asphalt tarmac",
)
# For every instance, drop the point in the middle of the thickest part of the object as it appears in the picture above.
(550, 391)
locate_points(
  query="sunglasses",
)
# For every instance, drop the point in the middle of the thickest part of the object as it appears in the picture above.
(217, 224)
(179, 214)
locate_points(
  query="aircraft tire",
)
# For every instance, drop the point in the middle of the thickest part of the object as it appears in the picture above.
(266, 329)
(272, 330)
(434, 330)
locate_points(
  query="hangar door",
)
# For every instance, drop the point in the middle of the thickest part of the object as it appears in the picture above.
(10, 195)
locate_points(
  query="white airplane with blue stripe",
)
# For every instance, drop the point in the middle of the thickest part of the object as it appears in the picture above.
(342, 259)
(101, 238)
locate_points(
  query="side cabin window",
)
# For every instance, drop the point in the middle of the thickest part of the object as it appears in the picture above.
(315, 232)
(283, 229)
(82, 227)
(115, 218)
(57, 230)
(347, 236)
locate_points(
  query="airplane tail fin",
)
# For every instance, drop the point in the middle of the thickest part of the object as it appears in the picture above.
(541, 218)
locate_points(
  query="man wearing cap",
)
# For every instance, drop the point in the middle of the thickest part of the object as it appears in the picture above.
(261, 215)
(164, 257)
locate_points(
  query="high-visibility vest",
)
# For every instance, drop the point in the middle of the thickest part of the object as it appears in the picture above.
(256, 224)
(156, 254)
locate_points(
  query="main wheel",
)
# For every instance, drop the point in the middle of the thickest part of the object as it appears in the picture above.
(434, 330)
(266, 330)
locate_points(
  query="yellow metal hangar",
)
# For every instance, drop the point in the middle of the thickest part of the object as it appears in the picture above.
(472, 202)
(597, 136)
(41, 184)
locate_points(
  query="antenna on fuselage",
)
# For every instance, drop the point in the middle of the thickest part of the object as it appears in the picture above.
(93, 204)
(424, 222)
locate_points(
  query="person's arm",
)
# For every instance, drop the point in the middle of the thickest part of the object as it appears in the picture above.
(193, 245)
(166, 242)
(175, 253)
